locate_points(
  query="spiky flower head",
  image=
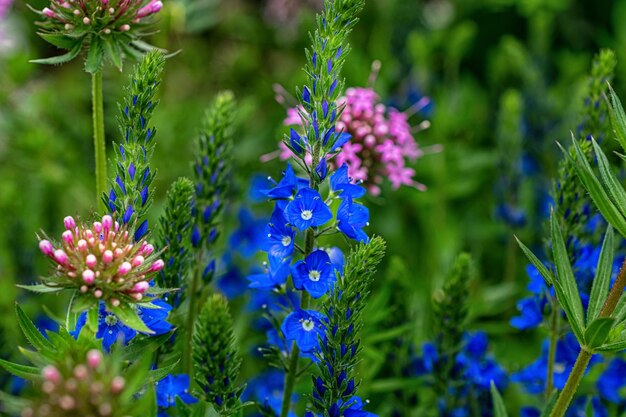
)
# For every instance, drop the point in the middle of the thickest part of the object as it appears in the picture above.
(381, 140)
(102, 261)
(106, 28)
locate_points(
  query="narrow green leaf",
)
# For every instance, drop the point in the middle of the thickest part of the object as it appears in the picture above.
(620, 310)
(565, 276)
(596, 191)
(23, 371)
(30, 331)
(61, 59)
(598, 331)
(128, 315)
(93, 63)
(140, 347)
(40, 288)
(545, 273)
(156, 375)
(499, 410)
(608, 178)
(612, 347)
(113, 51)
(13, 405)
(547, 409)
(60, 41)
(602, 280)
(618, 118)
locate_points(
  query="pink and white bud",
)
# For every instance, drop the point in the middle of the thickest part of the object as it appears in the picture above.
(67, 402)
(46, 247)
(97, 293)
(86, 20)
(137, 296)
(118, 252)
(107, 257)
(117, 385)
(94, 358)
(153, 7)
(50, 373)
(148, 249)
(138, 260)
(107, 222)
(89, 276)
(124, 268)
(48, 13)
(97, 226)
(82, 245)
(84, 289)
(69, 223)
(60, 256)
(76, 12)
(68, 236)
(125, 28)
(115, 302)
(81, 372)
(157, 265)
(91, 260)
(141, 287)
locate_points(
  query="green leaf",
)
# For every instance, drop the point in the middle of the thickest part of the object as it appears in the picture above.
(618, 118)
(156, 375)
(547, 409)
(114, 52)
(608, 178)
(13, 405)
(93, 63)
(60, 41)
(566, 279)
(596, 191)
(61, 59)
(545, 273)
(612, 347)
(128, 315)
(499, 410)
(620, 310)
(30, 331)
(602, 280)
(40, 288)
(23, 371)
(598, 331)
(139, 347)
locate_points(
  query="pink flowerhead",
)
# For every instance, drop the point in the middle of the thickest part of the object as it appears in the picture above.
(46, 247)
(51, 373)
(94, 358)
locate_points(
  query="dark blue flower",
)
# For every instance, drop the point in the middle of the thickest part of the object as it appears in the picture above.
(308, 210)
(248, 238)
(352, 218)
(579, 406)
(340, 183)
(173, 386)
(286, 187)
(279, 237)
(267, 389)
(232, 283)
(276, 273)
(304, 327)
(111, 329)
(315, 274)
(612, 381)
(531, 313)
(156, 318)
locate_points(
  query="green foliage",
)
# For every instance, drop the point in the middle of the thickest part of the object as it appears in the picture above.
(341, 351)
(216, 358)
(131, 186)
(174, 235)
(499, 410)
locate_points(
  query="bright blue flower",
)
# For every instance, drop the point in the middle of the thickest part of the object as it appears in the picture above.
(355, 408)
(258, 187)
(156, 318)
(578, 407)
(308, 210)
(315, 274)
(336, 258)
(169, 388)
(304, 327)
(267, 389)
(537, 284)
(111, 329)
(276, 273)
(426, 363)
(322, 169)
(352, 218)
(340, 183)
(286, 187)
(232, 283)
(298, 143)
(532, 314)
(340, 140)
(612, 382)
(279, 237)
(248, 238)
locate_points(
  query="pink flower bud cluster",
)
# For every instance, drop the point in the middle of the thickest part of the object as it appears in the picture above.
(101, 16)
(85, 387)
(382, 143)
(101, 260)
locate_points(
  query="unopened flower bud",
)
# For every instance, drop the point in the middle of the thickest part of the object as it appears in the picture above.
(124, 268)
(138, 260)
(117, 385)
(60, 256)
(82, 245)
(69, 223)
(46, 247)
(94, 358)
(68, 236)
(50, 373)
(107, 257)
(157, 265)
(148, 249)
(88, 276)
(107, 222)
(125, 28)
(141, 287)
(48, 13)
(81, 372)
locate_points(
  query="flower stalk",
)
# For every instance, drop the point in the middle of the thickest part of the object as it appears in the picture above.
(98, 134)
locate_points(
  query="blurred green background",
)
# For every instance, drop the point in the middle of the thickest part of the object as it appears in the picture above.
(480, 61)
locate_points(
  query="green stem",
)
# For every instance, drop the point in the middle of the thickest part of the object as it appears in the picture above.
(554, 338)
(98, 135)
(191, 316)
(572, 384)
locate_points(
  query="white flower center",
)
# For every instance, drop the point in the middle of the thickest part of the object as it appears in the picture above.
(308, 325)
(306, 214)
(286, 241)
(110, 320)
(314, 275)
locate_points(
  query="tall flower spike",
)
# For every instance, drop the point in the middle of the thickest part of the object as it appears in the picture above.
(106, 28)
(212, 170)
(216, 359)
(130, 195)
(174, 234)
(336, 384)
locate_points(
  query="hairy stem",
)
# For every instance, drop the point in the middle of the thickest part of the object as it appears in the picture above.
(98, 134)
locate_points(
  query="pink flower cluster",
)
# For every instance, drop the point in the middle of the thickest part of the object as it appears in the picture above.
(102, 260)
(382, 142)
(88, 387)
(102, 16)
(5, 5)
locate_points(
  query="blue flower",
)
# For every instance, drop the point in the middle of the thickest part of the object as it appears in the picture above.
(308, 210)
(111, 329)
(336, 258)
(304, 327)
(169, 388)
(352, 218)
(578, 407)
(267, 389)
(532, 314)
(315, 274)
(232, 284)
(279, 238)
(248, 237)
(611, 383)
(156, 318)
(288, 185)
(340, 183)
(275, 275)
